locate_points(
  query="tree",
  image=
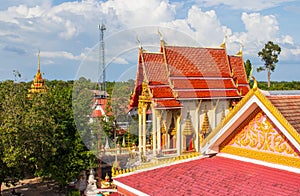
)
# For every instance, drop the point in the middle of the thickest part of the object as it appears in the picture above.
(248, 68)
(269, 54)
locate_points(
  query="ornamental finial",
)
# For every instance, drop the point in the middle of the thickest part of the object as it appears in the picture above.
(139, 42)
(254, 84)
(240, 53)
(223, 45)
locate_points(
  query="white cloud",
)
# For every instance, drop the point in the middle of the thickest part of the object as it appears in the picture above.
(255, 5)
(62, 54)
(132, 13)
(201, 25)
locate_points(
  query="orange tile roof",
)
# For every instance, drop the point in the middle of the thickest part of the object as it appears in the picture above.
(289, 107)
(213, 176)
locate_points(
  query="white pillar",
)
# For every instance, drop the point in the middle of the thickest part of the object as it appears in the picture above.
(197, 130)
(158, 134)
(154, 131)
(140, 132)
(144, 130)
(178, 138)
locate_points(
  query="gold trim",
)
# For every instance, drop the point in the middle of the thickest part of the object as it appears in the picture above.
(263, 156)
(267, 103)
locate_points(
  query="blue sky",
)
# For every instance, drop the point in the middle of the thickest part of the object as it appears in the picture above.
(67, 35)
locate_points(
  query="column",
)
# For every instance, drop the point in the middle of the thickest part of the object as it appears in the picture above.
(144, 130)
(196, 147)
(140, 131)
(154, 131)
(158, 133)
(178, 138)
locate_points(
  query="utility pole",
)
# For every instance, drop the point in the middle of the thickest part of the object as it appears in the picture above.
(102, 28)
(102, 88)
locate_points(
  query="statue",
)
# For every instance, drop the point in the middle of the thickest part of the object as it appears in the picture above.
(91, 188)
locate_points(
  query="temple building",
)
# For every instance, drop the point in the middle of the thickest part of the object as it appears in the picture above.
(255, 150)
(182, 93)
(38, 84)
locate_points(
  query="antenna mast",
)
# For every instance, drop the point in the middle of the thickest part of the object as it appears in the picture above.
(102, 28)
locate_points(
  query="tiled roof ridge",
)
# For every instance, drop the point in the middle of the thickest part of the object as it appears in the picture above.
(199, 47)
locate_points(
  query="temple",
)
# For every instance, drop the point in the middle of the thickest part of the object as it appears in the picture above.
(182, 93)
(38, 81)
(228, 139)
(255, 150)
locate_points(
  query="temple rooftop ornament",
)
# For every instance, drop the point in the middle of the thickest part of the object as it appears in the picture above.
(240, 53)
(38, 81)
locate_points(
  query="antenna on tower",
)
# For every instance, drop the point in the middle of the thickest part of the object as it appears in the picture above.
(102, 28)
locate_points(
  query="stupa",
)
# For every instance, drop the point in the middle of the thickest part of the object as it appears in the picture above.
(38, 81)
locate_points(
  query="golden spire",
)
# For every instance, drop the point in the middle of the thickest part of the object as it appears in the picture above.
(38, 81)
(39, 63)
(205, 124)
(188, 128)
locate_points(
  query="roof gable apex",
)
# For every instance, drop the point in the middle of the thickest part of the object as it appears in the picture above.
(253, 100)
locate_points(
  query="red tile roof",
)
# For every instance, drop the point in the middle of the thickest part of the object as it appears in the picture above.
(208, 94)
(239, 73)
(214, 176)
(100, 102)
(155, 68)
(202, 83)
(205, 62)
(179, 72)
(289, 107)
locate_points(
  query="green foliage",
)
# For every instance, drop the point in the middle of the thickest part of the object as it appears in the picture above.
(38, 136)
(283, 85)
(248, 68)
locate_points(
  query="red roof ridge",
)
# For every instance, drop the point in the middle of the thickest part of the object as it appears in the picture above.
(200, 47)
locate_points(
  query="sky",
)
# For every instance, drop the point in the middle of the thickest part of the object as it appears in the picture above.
(66, 34)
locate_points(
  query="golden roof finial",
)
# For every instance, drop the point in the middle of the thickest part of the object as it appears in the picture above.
(240, 53)
(223, 45)
(254, 84)
(139, 42)
(160, 35)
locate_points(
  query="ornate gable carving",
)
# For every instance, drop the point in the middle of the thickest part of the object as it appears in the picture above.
(260, 139)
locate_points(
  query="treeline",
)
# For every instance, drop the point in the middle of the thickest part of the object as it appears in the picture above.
(283, 85)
